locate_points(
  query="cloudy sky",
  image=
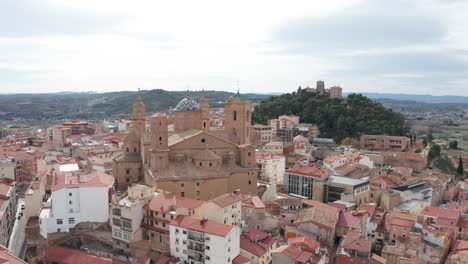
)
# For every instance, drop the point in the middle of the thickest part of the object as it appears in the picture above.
(398, 46)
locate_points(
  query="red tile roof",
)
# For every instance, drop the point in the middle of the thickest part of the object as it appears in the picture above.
(202, 225)
(240, 260)
(164, 202)
(313, 171)
(226, 199)
(70, 180)
(304, 240)
(354, 241)
(6, 256)
(402, 222)
(349, 220)
(252, 247)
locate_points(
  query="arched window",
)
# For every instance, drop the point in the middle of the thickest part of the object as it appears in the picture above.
(128, 150)
(234, 115)
(248, 154)
(204, 124)
(134, 150)
(201, 164)
(211, 164)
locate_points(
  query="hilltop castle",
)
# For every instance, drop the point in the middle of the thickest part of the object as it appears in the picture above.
(182, 154)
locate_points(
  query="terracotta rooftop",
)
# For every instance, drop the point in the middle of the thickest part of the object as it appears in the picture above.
(202, 225)
(7, 257)
(226, 199)
(304, 240)
(349, 220)
(313, 171)
(70, 180)
(437, 212)
(164, 202)
(402, 222)
(319, 213)
(355, 242)
(240, 260)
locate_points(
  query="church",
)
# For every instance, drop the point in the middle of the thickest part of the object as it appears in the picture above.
(182, 154)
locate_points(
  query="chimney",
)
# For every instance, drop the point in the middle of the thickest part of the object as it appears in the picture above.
(204, 220)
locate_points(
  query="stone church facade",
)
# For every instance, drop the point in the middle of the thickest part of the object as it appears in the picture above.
(182, 154)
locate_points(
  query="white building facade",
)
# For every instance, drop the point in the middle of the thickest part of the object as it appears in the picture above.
(271, 167)
(76, 198)
(203, 241)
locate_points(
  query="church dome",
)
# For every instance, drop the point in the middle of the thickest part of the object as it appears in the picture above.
(187, 104)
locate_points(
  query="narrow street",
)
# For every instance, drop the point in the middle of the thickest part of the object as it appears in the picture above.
(18, 235)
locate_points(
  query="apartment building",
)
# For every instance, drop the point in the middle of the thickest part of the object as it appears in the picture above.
(76, 198)
(226, 208)
(127, 215)
(271, 167)
(203, 241)
(385, 142)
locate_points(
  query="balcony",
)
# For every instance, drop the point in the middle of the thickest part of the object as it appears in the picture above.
(196, 237)
(199, 258)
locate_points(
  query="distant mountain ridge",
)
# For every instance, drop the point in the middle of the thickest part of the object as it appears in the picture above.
(426, 98)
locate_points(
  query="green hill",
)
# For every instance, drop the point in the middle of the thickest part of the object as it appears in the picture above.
(97, 106)
(337, 118)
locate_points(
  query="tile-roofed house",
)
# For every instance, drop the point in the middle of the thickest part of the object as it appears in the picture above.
(71, 193)
(444, 218)
(226, 208)
(257, 245)
(319, 219)
(7, 257)
(288, 254)
(305, 244)
(354, 249)
(202, 225)
(202, 239)
(160, 211)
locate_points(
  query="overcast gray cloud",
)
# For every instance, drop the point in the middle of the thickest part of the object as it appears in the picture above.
(396, 46)
(27, 18)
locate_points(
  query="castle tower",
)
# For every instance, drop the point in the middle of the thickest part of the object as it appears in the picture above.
(139, 115)
(205, 108)
(159, 159)
(238, 119)
(320, 87)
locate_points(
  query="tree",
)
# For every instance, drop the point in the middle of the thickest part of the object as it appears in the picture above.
(434, 152)
(453, 144)
(460, 169)
(430, 137)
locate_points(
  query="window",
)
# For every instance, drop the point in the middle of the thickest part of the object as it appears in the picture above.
(203, 140)
(198, 184)
(59, 221)
(177, 241)
(116, 221)
(117, 233)
(128, 171)
(116, 211)
(70, 202)
(182, 185)
(211, 164)
(70, 194)
(126, 224)
(207, 247)
(234, 115)
(207, 257)
(182, 194)
(177, 249)
(126, 235)
(71, 220)
(58, 230)
(250, 182)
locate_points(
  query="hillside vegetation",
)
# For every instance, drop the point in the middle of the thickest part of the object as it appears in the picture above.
(337, 118)
(98, 106)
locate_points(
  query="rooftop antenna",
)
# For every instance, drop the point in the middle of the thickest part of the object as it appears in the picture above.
(238, 94)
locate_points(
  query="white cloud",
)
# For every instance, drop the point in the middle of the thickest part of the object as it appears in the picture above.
(112, 45)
